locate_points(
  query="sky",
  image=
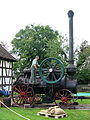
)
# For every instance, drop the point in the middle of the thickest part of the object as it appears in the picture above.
(16, 14)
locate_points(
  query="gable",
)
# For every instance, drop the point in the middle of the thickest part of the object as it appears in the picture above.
(5, 55)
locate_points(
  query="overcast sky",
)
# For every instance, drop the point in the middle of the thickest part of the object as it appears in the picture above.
(16, 14)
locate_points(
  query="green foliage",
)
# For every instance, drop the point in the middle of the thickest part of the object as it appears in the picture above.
(57, 49)
(83, 63)
(36, 40)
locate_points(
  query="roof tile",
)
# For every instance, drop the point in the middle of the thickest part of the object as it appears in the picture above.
(5, 55)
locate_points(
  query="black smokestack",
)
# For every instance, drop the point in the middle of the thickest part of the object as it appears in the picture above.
(71, 56)
(71, 70)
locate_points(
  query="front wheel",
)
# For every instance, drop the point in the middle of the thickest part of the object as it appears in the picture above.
(63, 96)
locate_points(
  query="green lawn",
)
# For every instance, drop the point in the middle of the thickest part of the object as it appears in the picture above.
(80, 101)
(31, 113)
(83, 101)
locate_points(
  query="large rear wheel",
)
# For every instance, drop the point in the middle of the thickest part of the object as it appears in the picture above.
(22, 94)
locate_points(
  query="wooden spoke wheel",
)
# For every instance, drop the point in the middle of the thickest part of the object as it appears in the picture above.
(63, 96)
(22, 94)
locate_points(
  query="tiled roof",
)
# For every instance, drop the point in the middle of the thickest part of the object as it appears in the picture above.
(5, 55)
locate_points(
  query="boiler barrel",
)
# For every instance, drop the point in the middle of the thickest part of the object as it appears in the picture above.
(71, 85)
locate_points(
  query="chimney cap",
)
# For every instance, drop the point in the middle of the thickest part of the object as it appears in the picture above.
(70, 13)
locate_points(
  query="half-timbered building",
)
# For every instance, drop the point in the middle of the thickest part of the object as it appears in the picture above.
(6, 65)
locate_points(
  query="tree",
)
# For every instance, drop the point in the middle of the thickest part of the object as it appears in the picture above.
(36, 40)
(83, 63)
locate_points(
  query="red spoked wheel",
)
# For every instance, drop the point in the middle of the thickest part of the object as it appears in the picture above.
(63, 96)
(22, 94)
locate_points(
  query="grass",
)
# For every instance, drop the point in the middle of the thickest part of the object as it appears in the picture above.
(80, 101)
(83, 101)
(31, 113)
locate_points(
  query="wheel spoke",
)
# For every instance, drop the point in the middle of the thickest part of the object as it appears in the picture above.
(49, 64)
(66, 94)
(55, 66)
(69, 95)
(27, 89)
(23, 88)
(54, 76)
(17, 100)
(21, 101)
(16, 89)
(59, 94)
(19, 88)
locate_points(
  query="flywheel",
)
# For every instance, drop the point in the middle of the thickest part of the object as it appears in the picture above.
(51, 70)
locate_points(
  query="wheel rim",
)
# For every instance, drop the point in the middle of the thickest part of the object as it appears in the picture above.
(51, 70)
(22, 94)
(63, 96)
